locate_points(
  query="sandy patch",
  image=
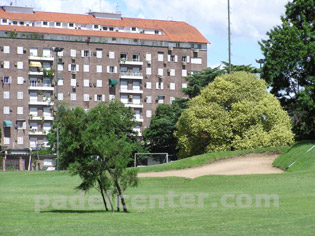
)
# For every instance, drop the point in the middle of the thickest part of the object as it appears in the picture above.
(244, 165)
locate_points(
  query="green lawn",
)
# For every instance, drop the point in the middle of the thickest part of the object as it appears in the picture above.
(294, 216)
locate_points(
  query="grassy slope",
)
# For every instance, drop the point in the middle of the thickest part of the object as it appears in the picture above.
(298, 152)
(207, 158)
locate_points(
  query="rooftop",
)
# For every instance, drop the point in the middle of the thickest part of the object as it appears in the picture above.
(173, 31)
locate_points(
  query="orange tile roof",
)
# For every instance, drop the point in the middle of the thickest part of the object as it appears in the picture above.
(175, 31)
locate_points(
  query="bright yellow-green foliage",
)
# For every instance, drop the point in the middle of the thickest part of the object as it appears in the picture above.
(234, 112)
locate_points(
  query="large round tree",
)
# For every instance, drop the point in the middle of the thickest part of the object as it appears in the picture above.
(234, 112)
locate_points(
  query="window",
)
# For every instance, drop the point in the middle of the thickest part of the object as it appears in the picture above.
(5, 21)
(6, 65)
(111, 55)
(123, 56)
(20, 50)
(185, 59)
(111, 69)
(184, 85)
(21, 124)
(136, 57)
(148, 85)
(99, 83)
(58, 24)
(96, 26)
(73, 82)
(46, 52)
(6, 140)
(86, 97)
(148, 57)
(85, 53)
(14, 22)
(156, 32)
(148, 113)
(86, 68)
(60, 81)
(6, 95)
(99, 53)
(20, 140)
(99, 69)
(104, 28)
(86, 83)
(60, 66)
(172, 58)
(21, 22)
(148, 71)
(149, 99)
(33, 52)
(6, 49)
(184, 73)
(60, 54)
(133, 28)
(19, 65)
(99, 97)
(60, 96)
(33, 142)
(172, 99)
(33, 126)
(73, 53)
(70, 25)
(161, 99)
(159, 85)
(19, 110)
(172, 86)
(160, 56)
(172, 72)
(20, 80)
(7, 79)
(19, 95)
(160, 71)
(73, 97)
(195, 54)
(33, 111)
(6, 110)
(45, 23)
(111, 28)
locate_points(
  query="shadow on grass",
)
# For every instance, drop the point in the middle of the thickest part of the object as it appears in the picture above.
(79, 211)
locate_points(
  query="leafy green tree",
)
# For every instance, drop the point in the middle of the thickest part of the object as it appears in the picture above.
(198, 81)
(159, 136)
(98, 146)
(289, 67)
(233, 112)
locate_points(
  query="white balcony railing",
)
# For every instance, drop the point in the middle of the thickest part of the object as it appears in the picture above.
(134, 105)
(124, 90)
(135, 62)
(38, 58)
(131, 75)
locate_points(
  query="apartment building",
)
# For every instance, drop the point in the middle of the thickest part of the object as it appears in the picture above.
(83, 59)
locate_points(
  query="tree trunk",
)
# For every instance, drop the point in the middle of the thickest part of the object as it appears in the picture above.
(123, 203)
(110, 201)
(102, 192)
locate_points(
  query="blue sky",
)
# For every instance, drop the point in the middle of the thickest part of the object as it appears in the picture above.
(250, 19)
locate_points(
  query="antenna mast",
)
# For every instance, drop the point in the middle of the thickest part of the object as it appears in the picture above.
(229, 36)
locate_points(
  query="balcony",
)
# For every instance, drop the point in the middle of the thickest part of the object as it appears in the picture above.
(133, 91)
(36, 58)
(134, 105)
(36, 132)
(135, 62)
(36, 118)
(41, 88)
(139, 118)
(138, 131)
(38, 73)
(131, 75)
(41, 103)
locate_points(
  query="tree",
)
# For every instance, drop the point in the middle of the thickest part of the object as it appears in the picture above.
(159, 136)
(98, 146)
(233, 112)
(289, 67)
(198, 81)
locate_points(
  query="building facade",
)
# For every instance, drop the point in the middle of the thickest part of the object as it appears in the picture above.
(82, 60)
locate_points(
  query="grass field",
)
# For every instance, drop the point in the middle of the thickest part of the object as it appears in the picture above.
(294, 216)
